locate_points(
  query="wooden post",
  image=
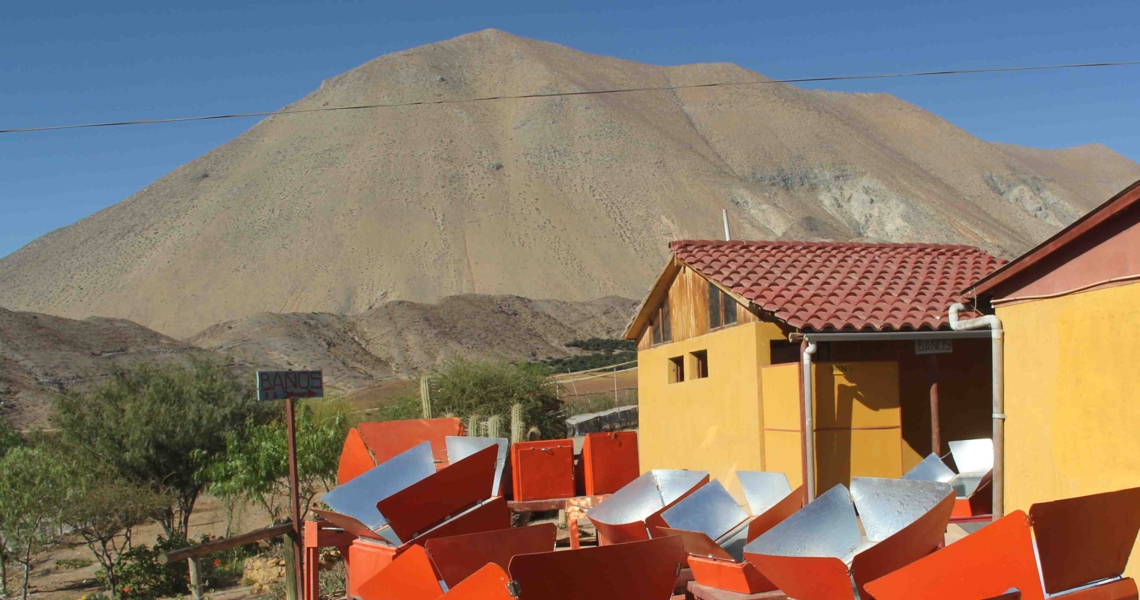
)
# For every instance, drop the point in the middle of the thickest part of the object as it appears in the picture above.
(195, 565)
(293, 559)
(935, 426)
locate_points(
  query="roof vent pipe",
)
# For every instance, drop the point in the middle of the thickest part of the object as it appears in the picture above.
(992, 323)
(724, 215)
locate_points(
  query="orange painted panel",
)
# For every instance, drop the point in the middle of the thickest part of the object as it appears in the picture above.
(806, 577)
(697, 544)
(489, 516)
(984, 564)
(409, 577)
(1125, 589)
(633, 571)
(364, 560)
(543, 470)
(388, 438)
(1085, 539)
(609, 461)
(354, 458)
(488, 583)
(742, 578)
(426, 502)
(905, 546)
(457, 557)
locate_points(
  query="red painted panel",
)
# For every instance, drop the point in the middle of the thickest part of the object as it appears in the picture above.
(388, 438)
(634, 571)
(354, 458)
(428, 501)
(806, 577)
(742, 578)
(409, 577)
(364, 560)
(905, 546)
(697, 543)
(457, 557)
(776, 515)
(489, 516)
(1085, 539)
(543, 470)
(620, 534)
(984, 564)
(610, 461)
(1125, 589)
(488, 583)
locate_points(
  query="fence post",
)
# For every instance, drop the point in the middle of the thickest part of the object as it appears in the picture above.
(425, 396)
(290, 569)
(195, 565)
(517, 425)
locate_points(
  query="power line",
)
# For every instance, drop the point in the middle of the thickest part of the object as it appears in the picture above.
(572, 93)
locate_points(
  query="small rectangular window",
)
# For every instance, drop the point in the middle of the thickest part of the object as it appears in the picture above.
(677, 369)
(666, 326)
(729, 309)
(701, 364)
(714, 306)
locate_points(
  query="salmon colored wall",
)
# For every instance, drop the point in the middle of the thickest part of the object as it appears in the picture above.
(964, 387)
(715, 423)
(1071, 368)
(780, 398)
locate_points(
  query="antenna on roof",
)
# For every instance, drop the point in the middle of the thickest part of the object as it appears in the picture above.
(724, 213)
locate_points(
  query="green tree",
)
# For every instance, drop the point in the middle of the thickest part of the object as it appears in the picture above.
(150, 425)
(489, 387)
(9, 438)
(33, 490)
(104, 511)
(255, 462)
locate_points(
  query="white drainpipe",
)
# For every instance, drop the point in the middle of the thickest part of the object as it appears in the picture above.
(992, 323)
(809, 427)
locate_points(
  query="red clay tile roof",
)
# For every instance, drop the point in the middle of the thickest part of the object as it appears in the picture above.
(828, 286)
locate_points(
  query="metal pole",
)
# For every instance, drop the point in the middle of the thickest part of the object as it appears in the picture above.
(809, 421)
(294, 499)
(935, 426)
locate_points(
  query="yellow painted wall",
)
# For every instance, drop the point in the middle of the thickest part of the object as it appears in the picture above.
(780, 395)
(713, 424)
(858, 425)
(1072, 368)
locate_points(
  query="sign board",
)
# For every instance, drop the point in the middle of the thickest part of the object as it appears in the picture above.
(279, 385)
(933, 346)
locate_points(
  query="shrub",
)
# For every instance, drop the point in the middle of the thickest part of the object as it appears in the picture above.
(140, 575)
(488, 387)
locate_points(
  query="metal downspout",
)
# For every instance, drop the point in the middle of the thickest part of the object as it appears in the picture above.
(809, 423)
(993, 323)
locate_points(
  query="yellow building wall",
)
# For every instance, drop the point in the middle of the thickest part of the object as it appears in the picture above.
(1071, 380)
(711, 424)
(858, 425)
(780, 397)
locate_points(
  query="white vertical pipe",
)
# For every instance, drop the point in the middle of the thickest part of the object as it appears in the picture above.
(809, 423)
(724, 214)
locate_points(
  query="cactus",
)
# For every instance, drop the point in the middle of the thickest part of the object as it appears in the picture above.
(473, 426)
(425, 396)
(517, 424)
(494, 425)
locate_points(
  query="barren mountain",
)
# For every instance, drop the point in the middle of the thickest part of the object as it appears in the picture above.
(43, 355)
(407, 337)
(564, 197)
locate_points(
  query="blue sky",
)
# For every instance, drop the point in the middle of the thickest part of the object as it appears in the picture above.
(67, 62)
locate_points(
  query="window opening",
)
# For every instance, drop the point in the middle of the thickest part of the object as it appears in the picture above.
(701, 364)
(677, 369)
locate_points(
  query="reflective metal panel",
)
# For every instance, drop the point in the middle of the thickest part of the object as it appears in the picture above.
(826, 527)
(709, 510)
(631, 503)
(763, 490)
(675, 483)
(734, 541)
(973, 457)
(888, 505)
(930, 469)
(358, 497)
(460, 447)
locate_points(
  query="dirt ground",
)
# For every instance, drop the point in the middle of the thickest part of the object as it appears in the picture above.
(52, 580)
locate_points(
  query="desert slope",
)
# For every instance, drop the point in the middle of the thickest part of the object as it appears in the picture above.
(570, 198)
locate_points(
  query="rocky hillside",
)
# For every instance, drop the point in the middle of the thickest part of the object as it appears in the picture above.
(569, 197)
